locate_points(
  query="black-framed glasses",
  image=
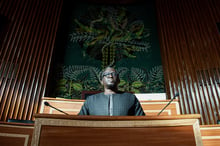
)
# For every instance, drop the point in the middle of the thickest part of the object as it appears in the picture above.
(107, 74)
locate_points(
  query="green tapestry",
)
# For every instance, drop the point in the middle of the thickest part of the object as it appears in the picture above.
(123, 36)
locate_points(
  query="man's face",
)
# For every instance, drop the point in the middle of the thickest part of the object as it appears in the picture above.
(110, 78)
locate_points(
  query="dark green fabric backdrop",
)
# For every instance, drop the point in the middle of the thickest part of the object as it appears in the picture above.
(92, 36)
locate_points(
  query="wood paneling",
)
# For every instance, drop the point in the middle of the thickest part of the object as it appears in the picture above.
(26, 54)
(18, 134)
(190, 41)
(210, 135)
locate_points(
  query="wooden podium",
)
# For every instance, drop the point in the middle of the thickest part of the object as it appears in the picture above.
(57, 130)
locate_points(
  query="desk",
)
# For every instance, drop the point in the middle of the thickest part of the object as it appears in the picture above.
(67, 130)
(73, 106)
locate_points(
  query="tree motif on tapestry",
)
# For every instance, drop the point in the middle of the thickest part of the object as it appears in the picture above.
(110, 34)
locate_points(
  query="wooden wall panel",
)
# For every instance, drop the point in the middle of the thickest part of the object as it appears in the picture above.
(190, 41)
(18, 134)
(25, 54)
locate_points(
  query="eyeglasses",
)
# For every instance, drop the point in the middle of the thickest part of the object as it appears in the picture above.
(107, 74)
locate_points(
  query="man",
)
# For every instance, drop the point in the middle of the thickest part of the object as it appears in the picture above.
(111, 102)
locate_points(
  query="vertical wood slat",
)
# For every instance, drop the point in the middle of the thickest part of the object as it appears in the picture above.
(188, 26)
(49, 53)
(193, 24)
(31, 32)
(180, 53)
(35, 62)
(216, 16)
(215, 92)
(29, 79)
(190, 43)
(46, 52)
(32, 29)
(209, 63)
(206, 92)
(20, 65)
(12, 93)
(9, 55)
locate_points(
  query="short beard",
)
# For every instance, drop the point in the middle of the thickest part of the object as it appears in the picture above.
(111, 86)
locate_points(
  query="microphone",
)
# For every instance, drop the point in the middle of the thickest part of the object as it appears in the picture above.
(176, 95)
(47, 104)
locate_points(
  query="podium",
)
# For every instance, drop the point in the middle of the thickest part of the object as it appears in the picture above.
(56, 130)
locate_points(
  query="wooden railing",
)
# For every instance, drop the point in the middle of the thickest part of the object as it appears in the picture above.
(72, 106)
(15, 134)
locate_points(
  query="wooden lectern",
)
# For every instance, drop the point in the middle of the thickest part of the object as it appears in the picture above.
(57, 130)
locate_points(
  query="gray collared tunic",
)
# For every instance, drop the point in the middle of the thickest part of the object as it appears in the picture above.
(120, 104)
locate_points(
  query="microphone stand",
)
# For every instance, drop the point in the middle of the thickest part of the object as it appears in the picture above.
(177, 94)
(47, 104)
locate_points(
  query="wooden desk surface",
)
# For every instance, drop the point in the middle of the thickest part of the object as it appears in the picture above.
(116, 130)
(113, 118)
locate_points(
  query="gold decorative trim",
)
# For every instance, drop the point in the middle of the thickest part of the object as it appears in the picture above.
(211, 137)
(14, 126)
(51, 111)
(162, 102)
(116, 123)
(209, 128)
(169, 112)
(36, 133)
(177, 108)
(197, 133)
